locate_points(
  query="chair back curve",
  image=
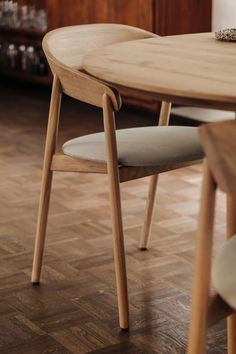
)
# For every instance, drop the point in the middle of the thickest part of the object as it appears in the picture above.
(65, 48)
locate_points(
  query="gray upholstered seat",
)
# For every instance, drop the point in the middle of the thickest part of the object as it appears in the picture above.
(147, 146)
(223, 272)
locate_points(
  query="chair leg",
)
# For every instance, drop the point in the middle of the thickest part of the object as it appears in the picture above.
(150, 206)
(41, 225)
(164, 113)
(202, 268)
(146, 230)
(46, 181)
(231, 334)
(119, 255)
(231, 229)
(116, 214)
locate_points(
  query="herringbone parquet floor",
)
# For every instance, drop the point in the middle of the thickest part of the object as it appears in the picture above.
(74, 309)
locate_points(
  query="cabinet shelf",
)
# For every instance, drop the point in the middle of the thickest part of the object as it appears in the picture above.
(25, 36)
(22, 31)
(25, 76)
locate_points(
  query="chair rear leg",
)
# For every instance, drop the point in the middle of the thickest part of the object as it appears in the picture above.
(119, 254)
(148, 217)
(146, 230)
(231, 334)
(231, 230)
(41, 225)
(46, 180)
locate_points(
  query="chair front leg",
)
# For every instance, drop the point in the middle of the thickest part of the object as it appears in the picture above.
(119, 252)
(116, 213)
(41, 225)
(202, 267)
(46, 180)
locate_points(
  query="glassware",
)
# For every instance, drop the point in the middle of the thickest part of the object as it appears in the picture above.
(32, 20)
(4, 11)
(1, 13)
(32, 58)
(12, 55)
(22, 57)
(43, 68)
(24, 16)
(14, 16)
(15, 23)
(27, 59)
(42, 23)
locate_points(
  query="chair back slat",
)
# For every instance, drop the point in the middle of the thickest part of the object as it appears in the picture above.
(219, 143)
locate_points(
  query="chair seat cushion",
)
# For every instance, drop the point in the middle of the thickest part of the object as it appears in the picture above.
(223, 272)
(146, 146)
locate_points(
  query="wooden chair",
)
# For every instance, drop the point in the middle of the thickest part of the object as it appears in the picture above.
(219, 142)
(123, 154)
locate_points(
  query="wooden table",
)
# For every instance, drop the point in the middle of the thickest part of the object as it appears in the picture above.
(193, 69)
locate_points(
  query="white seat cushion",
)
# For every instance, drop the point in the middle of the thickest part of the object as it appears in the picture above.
(147, 146)
(223, 272)
(202, 114)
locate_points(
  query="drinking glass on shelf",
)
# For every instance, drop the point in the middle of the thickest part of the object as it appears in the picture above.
(42, 23)
(32, 58)
(13, 15)
(24, 16)
(22, 57)
(32, 20)
(4, 13)
(15, 20)
(12, 56)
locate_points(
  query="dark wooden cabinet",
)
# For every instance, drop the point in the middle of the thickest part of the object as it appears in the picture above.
(70, 12)
(164, 17)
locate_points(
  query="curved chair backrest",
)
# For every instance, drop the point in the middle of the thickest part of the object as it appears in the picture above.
(65, 48)
(219, 142)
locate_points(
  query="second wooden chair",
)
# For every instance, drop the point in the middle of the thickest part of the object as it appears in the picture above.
(219, 142)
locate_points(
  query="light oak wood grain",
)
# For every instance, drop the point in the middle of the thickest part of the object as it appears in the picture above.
(193, 69)
(61, 162)
(82, 40)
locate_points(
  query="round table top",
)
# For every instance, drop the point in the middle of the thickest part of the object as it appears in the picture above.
(192, 69)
